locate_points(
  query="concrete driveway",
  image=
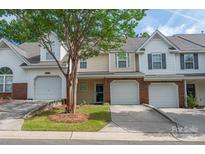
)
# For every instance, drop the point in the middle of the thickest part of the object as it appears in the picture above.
(137, 118)
(191, 120)
(11, 114)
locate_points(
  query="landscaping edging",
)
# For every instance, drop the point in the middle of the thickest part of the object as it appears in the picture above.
(44, 107)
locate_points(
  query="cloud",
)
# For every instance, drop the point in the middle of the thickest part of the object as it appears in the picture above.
(191, 30)
(148, 29)
(168, 30)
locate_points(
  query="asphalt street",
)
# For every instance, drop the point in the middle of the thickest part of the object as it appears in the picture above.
(90, 142)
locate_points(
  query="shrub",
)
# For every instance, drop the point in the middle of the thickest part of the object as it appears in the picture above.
(192, 102)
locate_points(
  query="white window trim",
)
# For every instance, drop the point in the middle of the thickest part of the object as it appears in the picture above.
(83, 61)
(4, 82)
(126, 60)
(185, 61)
(156, 53)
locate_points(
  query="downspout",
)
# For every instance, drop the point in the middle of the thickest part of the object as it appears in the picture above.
(185, 93)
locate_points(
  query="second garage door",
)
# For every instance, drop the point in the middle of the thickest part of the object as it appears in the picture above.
(163, 95)
(124, 92)
(48, 88)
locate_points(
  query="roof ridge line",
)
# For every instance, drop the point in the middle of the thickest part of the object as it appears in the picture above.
(190, 41)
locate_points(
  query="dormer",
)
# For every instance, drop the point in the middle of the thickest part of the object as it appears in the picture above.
(57, 49)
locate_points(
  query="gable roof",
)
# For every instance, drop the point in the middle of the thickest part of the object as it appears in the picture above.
(157, 33)
(189, 42)
(19, 52)
(32, 48)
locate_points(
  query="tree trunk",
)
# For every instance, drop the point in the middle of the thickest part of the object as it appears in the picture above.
(68, 96)
(75, 85)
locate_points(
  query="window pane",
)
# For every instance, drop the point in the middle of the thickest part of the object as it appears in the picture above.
(189, 65)
(8, 80)
(8, 88)
(49, 56)
(157, 65)
(189, 61)
(5, 70)
(156, 57)
(188, 57)
(1, 87)
(83, 64)
(122, 64)
(1, 79)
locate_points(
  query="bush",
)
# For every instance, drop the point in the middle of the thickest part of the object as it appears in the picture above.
(192, 102)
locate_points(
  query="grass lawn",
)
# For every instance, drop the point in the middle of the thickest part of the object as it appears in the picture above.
(99, 117)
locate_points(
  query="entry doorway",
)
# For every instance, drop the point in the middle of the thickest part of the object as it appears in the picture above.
(99, 91)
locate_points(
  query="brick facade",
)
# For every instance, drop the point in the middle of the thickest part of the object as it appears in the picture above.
(144, 89)
(19, 91)
(5, 95)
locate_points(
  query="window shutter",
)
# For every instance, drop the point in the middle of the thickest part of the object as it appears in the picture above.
(196, 63)
(116, 60)
(182, 61)
(164, 61)
(149, 61)
(128, 59)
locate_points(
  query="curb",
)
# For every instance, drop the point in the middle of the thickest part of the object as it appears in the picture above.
(163, 114)
(41, 108)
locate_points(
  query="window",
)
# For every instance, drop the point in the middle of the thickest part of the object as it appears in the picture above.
(190, 88)
(188, 61)
(6, 78)
(83, 63)
(122, 60)
(49, 56)
(157, 60)
(83, 86)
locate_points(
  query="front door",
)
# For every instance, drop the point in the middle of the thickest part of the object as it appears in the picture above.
(99, 93)
(190, 88)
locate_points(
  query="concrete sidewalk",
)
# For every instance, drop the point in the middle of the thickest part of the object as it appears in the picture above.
(100, 136)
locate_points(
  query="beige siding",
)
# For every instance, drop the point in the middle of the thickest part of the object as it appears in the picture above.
(88, 96)
(132, 63)
(96, 64)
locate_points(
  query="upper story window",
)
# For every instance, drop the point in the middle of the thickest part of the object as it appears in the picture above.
(157, 60)
(49, 56)
(189, 61)
(122, 60)
(6, 79)
(83, 63)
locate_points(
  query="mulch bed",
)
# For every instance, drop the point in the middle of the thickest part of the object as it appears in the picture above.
(69, 117)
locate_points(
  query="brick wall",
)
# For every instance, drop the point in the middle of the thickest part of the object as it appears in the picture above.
(19, 91)
(5, 95)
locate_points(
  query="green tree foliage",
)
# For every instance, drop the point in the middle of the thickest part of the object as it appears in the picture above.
(82, 33)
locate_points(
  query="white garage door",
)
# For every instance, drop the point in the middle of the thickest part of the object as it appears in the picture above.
(163, 95)
(124, 92)
(48, 88)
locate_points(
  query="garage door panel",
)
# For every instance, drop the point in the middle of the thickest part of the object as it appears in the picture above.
(163, 95)
(48, 88)
(124, 92)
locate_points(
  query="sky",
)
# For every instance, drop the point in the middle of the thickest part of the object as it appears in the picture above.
(171, 22)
